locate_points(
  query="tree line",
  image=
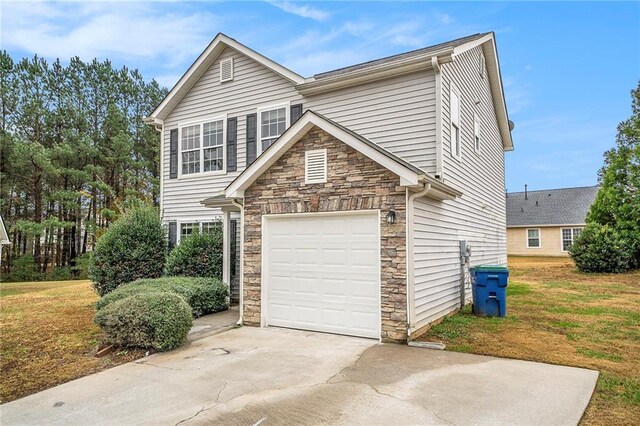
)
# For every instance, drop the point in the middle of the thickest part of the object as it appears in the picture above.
(74, 150)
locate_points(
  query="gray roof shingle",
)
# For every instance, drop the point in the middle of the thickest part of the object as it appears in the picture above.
(565, 206)
(434, 48)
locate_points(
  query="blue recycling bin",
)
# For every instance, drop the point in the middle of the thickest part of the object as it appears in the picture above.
(489, 289)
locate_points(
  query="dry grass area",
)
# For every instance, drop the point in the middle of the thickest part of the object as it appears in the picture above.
(48, 336)
(560, 316)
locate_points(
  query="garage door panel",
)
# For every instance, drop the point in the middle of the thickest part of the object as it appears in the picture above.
(323, 273)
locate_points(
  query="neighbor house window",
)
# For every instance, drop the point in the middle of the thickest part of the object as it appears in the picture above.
(569, 235)
(210, 227)
(202, 147)
(187, 229)
(273, 122)
(533, 238)
(456, 148)
(476, 133)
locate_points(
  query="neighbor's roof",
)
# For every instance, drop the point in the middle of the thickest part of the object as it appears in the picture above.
(4, 236)
(565, 206)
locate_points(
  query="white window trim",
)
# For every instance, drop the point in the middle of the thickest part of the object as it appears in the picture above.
(306, 159)
(572, 237)
(222, 118)
(454, 154)
(539, 237)
(476, 120)
(200, 221)
(260, 110)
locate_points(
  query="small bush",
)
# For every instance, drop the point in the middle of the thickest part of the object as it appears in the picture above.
(80, 270)
(204, 295)
(159, 321)
(600, 248)
(61, 273)
(133, 247)
(198, 255)
(23, 269)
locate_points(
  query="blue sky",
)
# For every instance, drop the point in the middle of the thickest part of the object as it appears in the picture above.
(567, 68)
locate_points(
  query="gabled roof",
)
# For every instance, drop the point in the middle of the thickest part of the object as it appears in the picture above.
(410, 175)
(412, 61)
(204, 61)
(565, 206)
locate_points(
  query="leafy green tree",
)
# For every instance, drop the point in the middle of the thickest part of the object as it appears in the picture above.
(617, 204)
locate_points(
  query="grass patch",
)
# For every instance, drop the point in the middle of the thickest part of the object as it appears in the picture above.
(560, 316)
(591, 353)
(48, 336)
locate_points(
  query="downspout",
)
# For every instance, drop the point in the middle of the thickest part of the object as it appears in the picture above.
(438, 77)
(241, 277)
(411, 278)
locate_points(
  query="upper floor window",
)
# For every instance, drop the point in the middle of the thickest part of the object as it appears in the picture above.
(533, 238)
(273, 122)
(456, 147)
(569, 235)
(476, 133)
(202, 147)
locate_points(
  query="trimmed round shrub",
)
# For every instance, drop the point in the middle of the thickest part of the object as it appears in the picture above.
(204, 295)
(198, 255)
(600, 248)
(133, 247)
(157, 320)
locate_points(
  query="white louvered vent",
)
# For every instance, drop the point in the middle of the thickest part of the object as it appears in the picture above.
(226, 70)
(315, 166)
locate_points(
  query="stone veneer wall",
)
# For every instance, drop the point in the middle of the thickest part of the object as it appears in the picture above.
(354, 182)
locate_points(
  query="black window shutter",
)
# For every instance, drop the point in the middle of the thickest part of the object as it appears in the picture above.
(173, 234)
(251, 138)
(232, 144)
(296, 112)
(173, 154)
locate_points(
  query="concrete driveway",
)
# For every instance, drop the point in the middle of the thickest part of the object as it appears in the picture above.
(277, 376)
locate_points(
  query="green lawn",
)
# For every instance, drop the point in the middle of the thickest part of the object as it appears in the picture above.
(559, 316)
(48, 336)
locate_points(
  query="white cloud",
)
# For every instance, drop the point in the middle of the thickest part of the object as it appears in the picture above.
(96, 29)
(304, 11)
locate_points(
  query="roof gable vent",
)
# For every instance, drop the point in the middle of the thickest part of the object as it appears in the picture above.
(315, 166)
(226, 70)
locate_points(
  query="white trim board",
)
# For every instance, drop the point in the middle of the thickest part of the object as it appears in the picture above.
(293, 134)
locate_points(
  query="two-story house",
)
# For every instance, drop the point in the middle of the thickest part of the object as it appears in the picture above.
(354, 193)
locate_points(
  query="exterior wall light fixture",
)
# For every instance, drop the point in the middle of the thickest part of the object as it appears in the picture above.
(391, 216)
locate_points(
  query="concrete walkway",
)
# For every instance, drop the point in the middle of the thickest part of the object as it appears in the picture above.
(209, 325)
(278, 376)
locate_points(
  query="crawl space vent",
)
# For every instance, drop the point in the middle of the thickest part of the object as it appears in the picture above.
(226, 70)
(315, 166)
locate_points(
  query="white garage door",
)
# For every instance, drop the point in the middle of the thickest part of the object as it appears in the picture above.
(323, 273)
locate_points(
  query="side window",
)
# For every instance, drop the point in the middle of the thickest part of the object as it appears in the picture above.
(533, 238)
(569, 235)
(187, 229)
(454, 101)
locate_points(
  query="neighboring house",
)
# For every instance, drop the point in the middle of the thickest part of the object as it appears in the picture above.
(546, 222)
(4, 237)
(353, 190)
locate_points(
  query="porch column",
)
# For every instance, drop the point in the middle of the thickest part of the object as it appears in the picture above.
(226, 248)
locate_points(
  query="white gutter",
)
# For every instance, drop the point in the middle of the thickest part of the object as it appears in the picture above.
(411, 278)
(241, 277)
(436, 70)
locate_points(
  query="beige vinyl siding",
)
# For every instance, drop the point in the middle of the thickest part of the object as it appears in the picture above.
(550, 241)
(479, 216)
(253, 86)
(397, 113)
